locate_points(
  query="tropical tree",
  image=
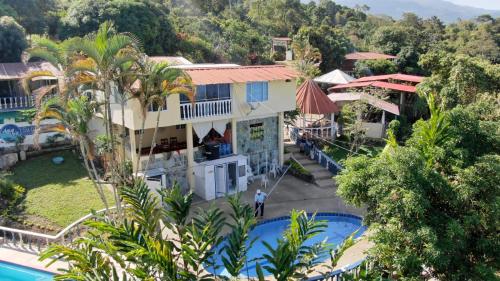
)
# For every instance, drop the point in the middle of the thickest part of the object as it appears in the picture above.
(73, 116)
(12, 40)
(156, 82)
(431, 204)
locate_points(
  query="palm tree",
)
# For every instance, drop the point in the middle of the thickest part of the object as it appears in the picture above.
(101, 57)
(292, 259)
(157, 81)
(74, 116)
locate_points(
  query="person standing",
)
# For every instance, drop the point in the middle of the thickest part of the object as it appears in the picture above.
(260, 198)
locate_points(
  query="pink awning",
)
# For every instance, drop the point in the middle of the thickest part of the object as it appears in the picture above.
(311, 99)
(377, 84)
(374, 101)
(398, 76)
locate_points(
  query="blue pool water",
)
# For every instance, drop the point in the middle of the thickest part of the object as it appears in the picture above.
(12, 272)
(338, 229)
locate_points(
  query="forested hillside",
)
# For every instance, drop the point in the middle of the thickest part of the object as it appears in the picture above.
(240, 31)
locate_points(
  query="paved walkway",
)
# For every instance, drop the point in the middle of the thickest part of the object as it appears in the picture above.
(28, 259)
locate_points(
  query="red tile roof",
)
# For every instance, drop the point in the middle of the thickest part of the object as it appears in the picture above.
(398, 76)
(368, 56)
(239, 74)
(311, 99)
(377, 84)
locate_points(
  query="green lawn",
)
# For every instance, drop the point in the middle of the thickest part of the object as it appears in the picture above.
(56, 195)
(339, 154)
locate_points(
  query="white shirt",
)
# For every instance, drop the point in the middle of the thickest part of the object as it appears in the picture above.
(259, 198)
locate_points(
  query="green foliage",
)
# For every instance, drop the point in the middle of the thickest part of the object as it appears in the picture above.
(238, 241)
(433, 201)
(458, 79)
(291, 258)
(330, 41)
(34, 15)
(11, 195)
(146, 20)
(374, 67)
(12, 40)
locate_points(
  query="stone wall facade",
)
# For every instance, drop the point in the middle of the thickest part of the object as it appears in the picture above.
(258, 139)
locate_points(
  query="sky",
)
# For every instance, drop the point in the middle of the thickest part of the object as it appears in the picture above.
(485, 4)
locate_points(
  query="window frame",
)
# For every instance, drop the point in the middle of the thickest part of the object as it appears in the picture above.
(261, 96)
(205, 98)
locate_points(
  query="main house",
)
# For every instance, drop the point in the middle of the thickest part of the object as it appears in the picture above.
(233, 130)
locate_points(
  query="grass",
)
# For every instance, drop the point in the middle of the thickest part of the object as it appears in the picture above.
(56, 195)
(338, 154)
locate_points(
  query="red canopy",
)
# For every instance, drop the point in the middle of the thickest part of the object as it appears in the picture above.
(311, 99)
(377, 84)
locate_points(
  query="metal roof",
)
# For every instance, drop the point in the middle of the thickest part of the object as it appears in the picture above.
(398, 76)
(171, 60)
(374, 101)
(377, 84)
(239, 74)
(311, 99)
(368, 56)
(18, 70)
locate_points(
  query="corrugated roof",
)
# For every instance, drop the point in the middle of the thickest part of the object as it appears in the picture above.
(171, 60)
(377, 84)
(398, 76)
(378, 103)
(368, 56)
(239, 74)
(17, 70)
(311, 99)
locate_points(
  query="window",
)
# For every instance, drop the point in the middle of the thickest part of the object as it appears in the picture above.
(210, 93)
(154, 106)
(257, 91)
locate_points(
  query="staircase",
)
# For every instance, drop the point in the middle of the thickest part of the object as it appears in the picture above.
(322, 177)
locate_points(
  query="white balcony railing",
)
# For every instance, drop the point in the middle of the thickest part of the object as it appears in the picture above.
(206, 109)
(20, 102)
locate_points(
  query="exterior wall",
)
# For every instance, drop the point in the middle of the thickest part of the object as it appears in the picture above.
(10, 126)
(281, 98)
(262, 151)
(374, 130)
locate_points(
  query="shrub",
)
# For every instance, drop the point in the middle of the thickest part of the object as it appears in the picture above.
(11, 195)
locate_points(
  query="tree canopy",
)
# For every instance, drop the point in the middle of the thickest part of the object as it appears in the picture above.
(12, 40)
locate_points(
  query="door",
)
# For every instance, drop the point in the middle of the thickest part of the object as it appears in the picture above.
(232, 177)
(220, 181)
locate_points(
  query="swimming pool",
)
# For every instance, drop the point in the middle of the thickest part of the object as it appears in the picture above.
(13, 272)
(339, 227)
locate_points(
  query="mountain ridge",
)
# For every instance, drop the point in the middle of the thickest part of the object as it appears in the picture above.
(445, 10)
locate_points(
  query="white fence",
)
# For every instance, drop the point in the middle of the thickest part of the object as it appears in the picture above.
(206, 109)
(36, 242)
(19, 102)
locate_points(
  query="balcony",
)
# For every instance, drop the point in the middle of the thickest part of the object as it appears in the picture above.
(17, 102)
(201, 109)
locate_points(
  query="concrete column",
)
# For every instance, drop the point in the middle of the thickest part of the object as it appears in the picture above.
(383, 123)
(332, 125)
(190, 155)
(281, 141)
(234, 136)
(133, 146)
(402, 101)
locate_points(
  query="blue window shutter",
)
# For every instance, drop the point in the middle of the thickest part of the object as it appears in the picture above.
(265, 91)
(249, 92)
